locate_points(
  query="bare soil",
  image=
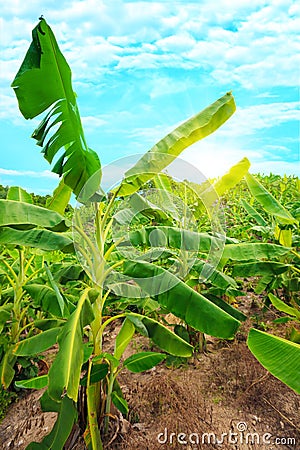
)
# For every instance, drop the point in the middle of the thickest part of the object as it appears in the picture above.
(221, 399)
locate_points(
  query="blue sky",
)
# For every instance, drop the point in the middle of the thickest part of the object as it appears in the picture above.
(141, 68)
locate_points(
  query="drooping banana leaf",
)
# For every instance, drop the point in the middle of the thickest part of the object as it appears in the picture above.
(24, 216)
(254, 250)
(161, 335)
(278, 356)
(43, 81)
(42, 239)
(38, 343)
(140, 362)
(253, 213)
(7, 371)
(168, 148)
(214, 276)
(210, 193)
(268, 202)
(33, 383)
(226, 307)
(259, 268)
(282, 306)
(46, 299)
(61, 430)
(235, 174)
(181, 300)
(137, 206)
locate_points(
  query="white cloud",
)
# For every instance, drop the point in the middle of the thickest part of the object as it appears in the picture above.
(28, 173)
(247, 121)
(93, 122)
(237, 42)
(277, 167)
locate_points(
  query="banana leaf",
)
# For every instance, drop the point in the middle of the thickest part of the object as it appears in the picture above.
(38, 343)
(214, 276)
(181, 300)
(259, 268)
(161, 335)
(283, 307)
(62, 428)
(18, 194)
(235, 174)
(64, 373)
(60, 198)
(42, 239)
(43, 81)
(268, 202)
(171, 146)
(210, 195)
(25, 216)
(46, 299)
(33, 383)
(255, 250)
(253, 213)
(139, 362)
(278, 356)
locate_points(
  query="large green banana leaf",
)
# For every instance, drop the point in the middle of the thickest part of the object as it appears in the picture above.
(64, 373)
(214, 276)
(137, 206)
(62, 428)
(161, 336)
(43, 81)
(253, 213)
(254, 250)
(181, 300)
(278, 356)
(282, 306)
(168, 148)
(43, 239)
(259, 268)
(268, 202)
(38, 343)
(24, 216)
(46, 299)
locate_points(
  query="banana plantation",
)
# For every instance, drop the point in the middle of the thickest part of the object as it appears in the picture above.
(148, 277)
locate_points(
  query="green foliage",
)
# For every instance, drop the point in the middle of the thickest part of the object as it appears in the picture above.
(157, 265)
(6, 398)
(278, 356)
(43, 81)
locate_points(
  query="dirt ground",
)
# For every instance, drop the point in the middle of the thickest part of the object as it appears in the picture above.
(221, 399)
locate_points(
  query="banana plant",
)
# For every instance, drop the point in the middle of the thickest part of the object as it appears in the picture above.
(280, 268)
(23, 226)
(44, 81)
(279, 356)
